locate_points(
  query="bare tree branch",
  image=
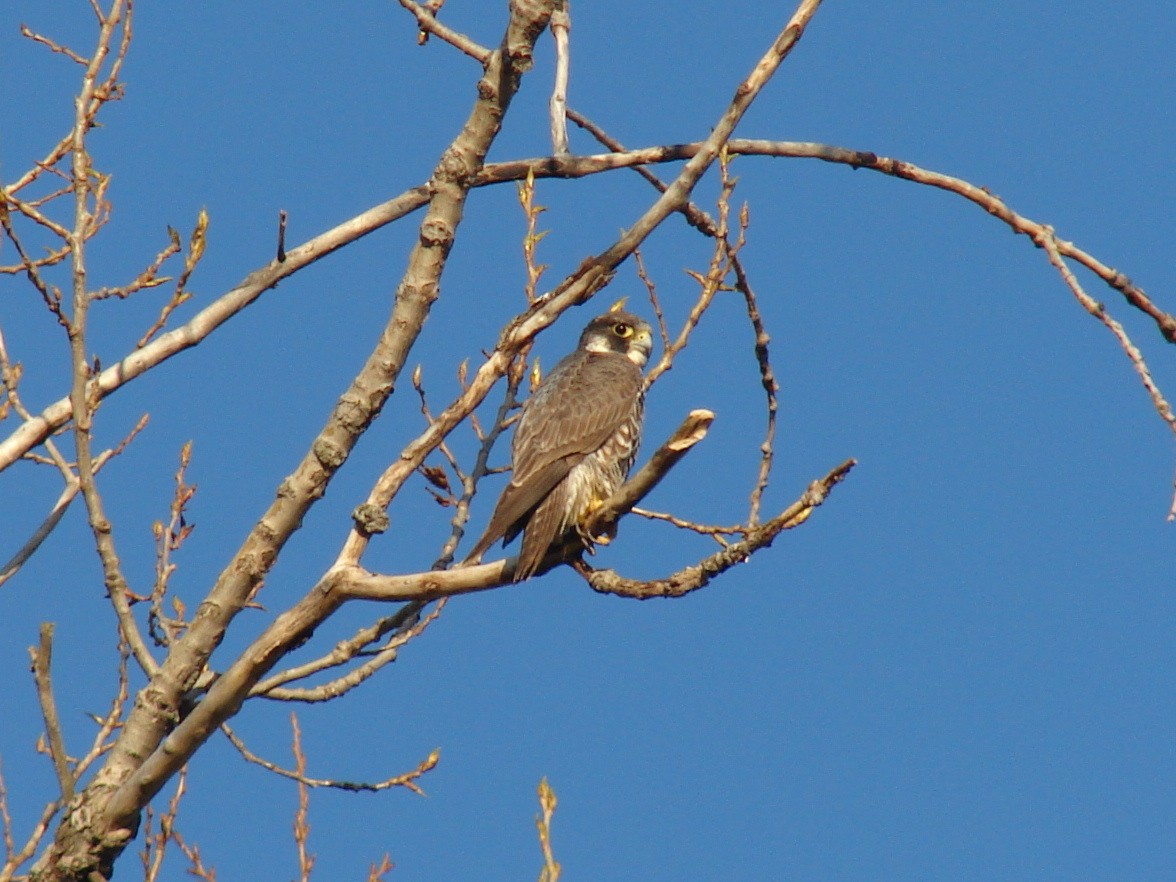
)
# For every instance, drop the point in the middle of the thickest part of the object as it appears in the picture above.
(547, 803)
(698, 576)
(427, 20)
(407, 625)
(561, 26)
(61, 506)
(35, 431)
(42, 659)
(298, 773)
(146, 734)
(1047, 240)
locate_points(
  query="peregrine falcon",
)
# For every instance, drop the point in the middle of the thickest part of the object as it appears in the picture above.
(576, 440)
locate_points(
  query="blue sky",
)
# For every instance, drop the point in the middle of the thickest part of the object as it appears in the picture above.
(959, 668)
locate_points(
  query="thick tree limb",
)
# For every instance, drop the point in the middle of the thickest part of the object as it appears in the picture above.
(143, 758)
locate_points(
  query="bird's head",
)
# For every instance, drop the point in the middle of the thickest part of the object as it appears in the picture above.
(621, 332)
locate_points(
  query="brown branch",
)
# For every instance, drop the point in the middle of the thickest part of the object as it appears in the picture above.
(698, 576)
(405, 779)
(711, 530)
(61, 506)
(1047, 240)
(406, 623)
(301, 816)
(581, 166)
(41, 657)
(149, 753)
(35, 431)
(426, 17)
(90, 208)
(692, 430)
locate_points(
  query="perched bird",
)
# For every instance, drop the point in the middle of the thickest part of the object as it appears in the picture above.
(576, 440)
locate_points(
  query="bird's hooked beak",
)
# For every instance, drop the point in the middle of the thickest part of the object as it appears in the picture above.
(640, 347)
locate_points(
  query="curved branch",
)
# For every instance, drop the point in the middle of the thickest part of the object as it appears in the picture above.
(34, 432)
(698, 576)
(404, 779)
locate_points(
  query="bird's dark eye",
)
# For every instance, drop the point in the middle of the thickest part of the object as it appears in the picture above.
(623, 330)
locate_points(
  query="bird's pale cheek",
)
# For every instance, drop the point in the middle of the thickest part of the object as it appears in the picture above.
(638, 356)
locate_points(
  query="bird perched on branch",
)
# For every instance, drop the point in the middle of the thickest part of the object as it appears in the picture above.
(576, 440)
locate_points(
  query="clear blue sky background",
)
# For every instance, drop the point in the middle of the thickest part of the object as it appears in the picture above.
(960, 668)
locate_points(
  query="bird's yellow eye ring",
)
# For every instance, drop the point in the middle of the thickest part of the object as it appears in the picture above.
(623, 330)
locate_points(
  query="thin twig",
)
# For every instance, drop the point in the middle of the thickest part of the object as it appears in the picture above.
(547, 803)
(377, 872)
(54, 46)
(709, 284)
(110, 723)
(40, 828)
(301, 816)
(407, 625)
(1047, 240)
(407, 779)
(5, 817)
(654, 302)
(181, 294)
(428, 23)
(168, 539)
(682, 524)
(767, 376)
(61, 506)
